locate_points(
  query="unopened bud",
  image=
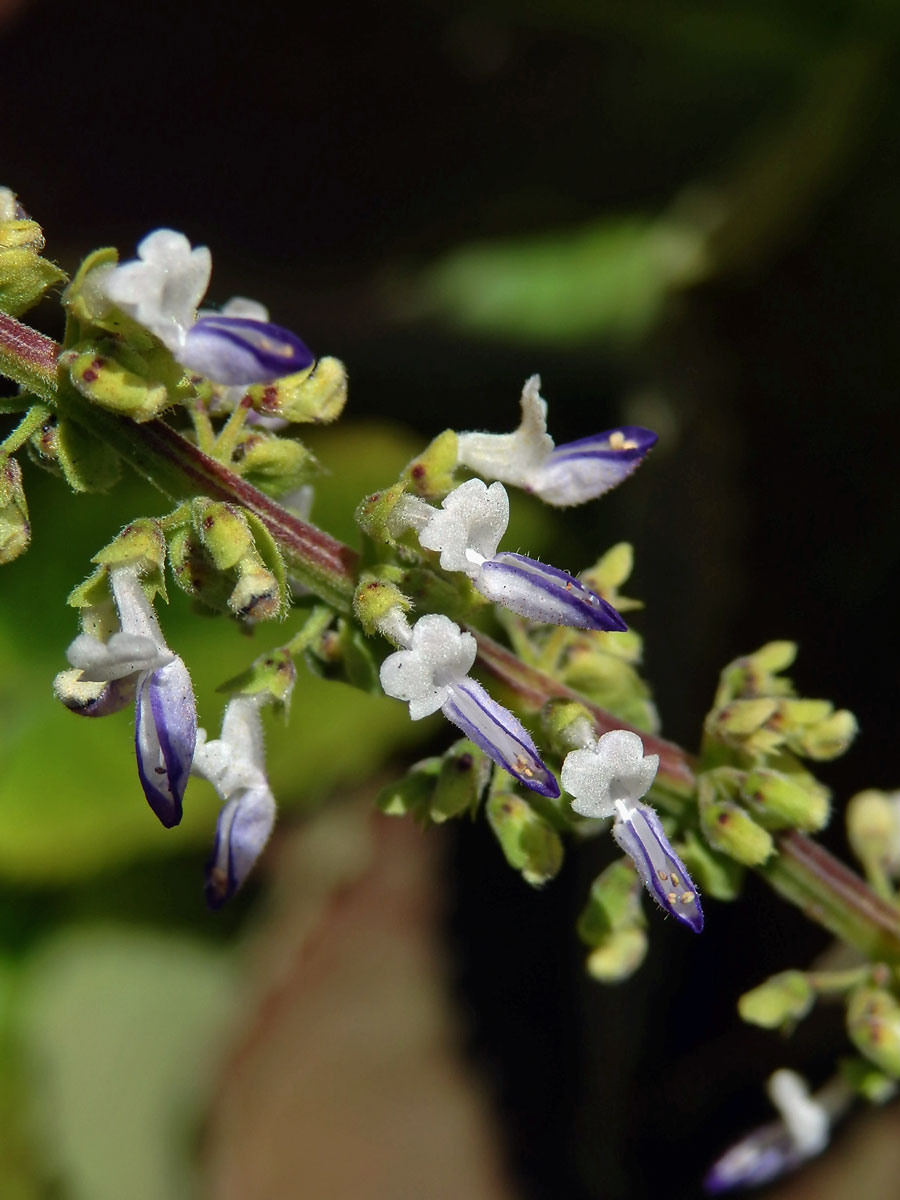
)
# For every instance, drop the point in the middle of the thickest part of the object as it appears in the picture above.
(373, 600)
(830, 738)
(618, 956)
(460, 784)
(317, 394)
(195, 571)
(781, 1000)
(873, 1023)
(272, 675)
(411, 795)
(794, 800)
(613, 903)
(608, 574)
(374, 513)
(528, 842)
(567, 725)
(867, 1081)
(223, 530)
(728, 827)
(873, 827)
(715, 874)
(274, 463)
(120, 388)
(256, 594)
(431, 474)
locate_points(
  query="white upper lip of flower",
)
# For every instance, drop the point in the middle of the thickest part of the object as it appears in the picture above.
(439, 654)
(468, 527)
(611, 771)
(518, 457)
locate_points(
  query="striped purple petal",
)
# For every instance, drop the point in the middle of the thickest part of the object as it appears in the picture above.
(543, 593)
(499, 734)
(639, 832)
(582, 470)
(763, 1155)
(243, 829)
(241, 351)
(165, 735)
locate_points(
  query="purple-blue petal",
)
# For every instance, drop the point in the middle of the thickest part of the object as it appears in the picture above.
(242, 831)
(241, 351)
(543, 593)
(499, 734)
(165, 736)
(763, 1155)
(579, 471)
(662, 872)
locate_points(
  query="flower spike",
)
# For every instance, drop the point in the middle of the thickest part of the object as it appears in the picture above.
(607, 778)
(161, 291)
(561, 475)
(466, 532)
(431, 673)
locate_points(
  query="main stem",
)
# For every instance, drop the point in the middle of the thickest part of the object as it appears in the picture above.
(801, 871)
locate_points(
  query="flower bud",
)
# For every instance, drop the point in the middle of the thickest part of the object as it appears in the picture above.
(15, 527)
(411, 795)
(795, 800)
(223, 530)
(461, 781)
(373, 599)
(317, 394)
(120, 387)
(195, 571)
(567, 725)
(781, 1000)
(374, 513)
(867, 1081)
(614, 903)
(275, 464)
(873, 828)
(256, 594)
(873, 1023)
(618, 956)
(727, 827)
(829, 738)
(715, 874)
(528, 842)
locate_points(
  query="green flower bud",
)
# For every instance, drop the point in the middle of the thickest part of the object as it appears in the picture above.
(411, 795)
(795, 800)
(463, 776)
(609, 681)
(618, 956)
(431, 475)
(528, 842)
(867, 1081)
(714, 874)
(257, 594)
(873, 828)
(830, 738)
(373, 514)
(273, 674)
(223, 530)
(15, 527)
(315, 395)
(726, 826)
(374, 598)
(124, 387)
(781, 1000)
(609, 573)
(25, 277)
(614, 902)
(567, 725)
(275, 464)
(140, 544)
(736, 720)
(873, 1023)
(195, 572)
(757, 674)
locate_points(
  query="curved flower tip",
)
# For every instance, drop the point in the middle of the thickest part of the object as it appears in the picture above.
(580, 471)
(543, 593)
(779, 1147)
(244, 826)
(165, 736)
(499, 734)
(242, 351)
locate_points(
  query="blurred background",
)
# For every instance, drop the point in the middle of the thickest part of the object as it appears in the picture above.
(682, 214)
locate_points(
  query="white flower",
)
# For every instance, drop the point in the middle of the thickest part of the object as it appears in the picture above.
(439, 655)
(608, 772)
(468, 527)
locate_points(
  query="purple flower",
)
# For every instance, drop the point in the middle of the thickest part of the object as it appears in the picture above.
(779, 1147)
(607, 778)
(431, 673)
(466, 531)
(234, 764)
(161, 290)
(560, 475)
(135, 662)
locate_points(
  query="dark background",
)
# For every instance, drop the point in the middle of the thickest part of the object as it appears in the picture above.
(328, 154)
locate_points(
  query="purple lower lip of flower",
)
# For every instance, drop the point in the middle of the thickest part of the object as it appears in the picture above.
(243, 829)
(242, 351)
(640, 834)
(582, 470)
(761, 1156)
(544, 593)
(165, 735)
(499, 734)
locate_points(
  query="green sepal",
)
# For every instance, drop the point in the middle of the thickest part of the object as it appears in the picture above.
(224, 531)
(24, 277)
(272, 674)
(866, 1080)
(529, 843)
(373, 513)
(614, 903)
(272, 559)
(618, 956)
(411, 794)
(21, 233)
(92, 592)
(140, 544)
(88, 464)
(608, 574)
(317, 394)
(274, 463)
(565, 725)
(779, 1002)
(85, 304)
(431, 474)
(373, 600)
(117, 378)
(715, 874)
(195, 572)
(782, 800)
(15, 526)
(873, 1024)
(464, 774)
